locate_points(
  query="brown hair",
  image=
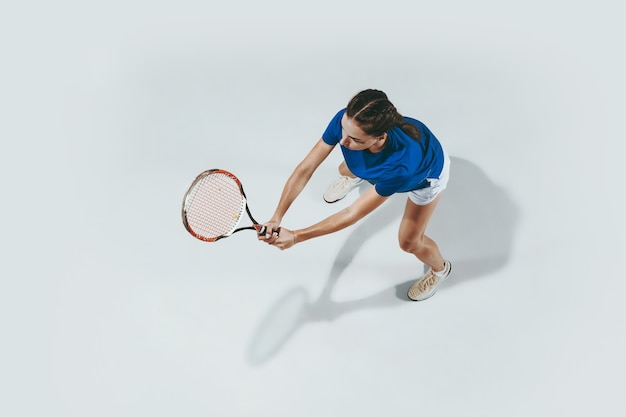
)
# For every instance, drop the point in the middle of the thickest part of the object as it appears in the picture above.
(375, 114)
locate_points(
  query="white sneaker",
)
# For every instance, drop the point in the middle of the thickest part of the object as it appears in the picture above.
(340, 188)
(426, 286)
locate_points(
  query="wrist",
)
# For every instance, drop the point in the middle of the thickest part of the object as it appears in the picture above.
(295, 237)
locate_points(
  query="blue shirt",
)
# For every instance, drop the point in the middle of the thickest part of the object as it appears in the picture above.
(403, 165)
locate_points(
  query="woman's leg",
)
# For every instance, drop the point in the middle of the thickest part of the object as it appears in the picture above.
(411, 234)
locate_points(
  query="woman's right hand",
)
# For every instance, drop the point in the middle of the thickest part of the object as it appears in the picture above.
(272, 229)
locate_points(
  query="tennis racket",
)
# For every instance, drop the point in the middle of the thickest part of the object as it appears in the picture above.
(214, 205)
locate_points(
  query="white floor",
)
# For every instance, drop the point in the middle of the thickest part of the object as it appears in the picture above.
(109, 308)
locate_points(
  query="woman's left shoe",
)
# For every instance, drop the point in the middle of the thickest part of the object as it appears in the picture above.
(426, 286)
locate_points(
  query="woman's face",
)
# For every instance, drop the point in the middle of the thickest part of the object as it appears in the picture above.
(355, 139)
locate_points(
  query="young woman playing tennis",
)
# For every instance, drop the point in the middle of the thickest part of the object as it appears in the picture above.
(395, 154)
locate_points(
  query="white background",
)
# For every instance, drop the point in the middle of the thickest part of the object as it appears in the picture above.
(109, 308)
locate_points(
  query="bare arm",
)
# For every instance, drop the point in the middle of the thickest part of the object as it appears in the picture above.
(297, 180)
(360, 208)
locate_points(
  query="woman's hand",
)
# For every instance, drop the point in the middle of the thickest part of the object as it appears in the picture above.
(277, 236)
(285, 239)
(272, 229)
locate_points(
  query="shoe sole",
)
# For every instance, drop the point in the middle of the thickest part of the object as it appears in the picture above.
(434, 292)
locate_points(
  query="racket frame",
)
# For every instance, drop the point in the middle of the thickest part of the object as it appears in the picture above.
(255, 225)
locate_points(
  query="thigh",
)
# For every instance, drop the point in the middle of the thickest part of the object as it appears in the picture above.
(415, 218)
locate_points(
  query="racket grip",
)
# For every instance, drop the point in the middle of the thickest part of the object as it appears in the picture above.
(264, 229)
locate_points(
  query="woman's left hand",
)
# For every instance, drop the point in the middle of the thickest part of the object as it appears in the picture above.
(285, 239)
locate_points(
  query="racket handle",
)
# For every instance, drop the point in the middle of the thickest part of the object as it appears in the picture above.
(264, 229)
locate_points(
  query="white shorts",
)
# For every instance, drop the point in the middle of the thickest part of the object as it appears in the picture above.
(426, 195)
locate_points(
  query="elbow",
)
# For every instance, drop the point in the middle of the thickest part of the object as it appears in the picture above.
(304, 169)
(350, 216)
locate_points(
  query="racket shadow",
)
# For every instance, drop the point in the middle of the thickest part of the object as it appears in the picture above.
(474, 226)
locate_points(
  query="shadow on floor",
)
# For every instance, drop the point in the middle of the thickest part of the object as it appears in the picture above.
(473, 225)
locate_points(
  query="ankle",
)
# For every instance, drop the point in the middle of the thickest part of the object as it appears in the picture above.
(443, 269)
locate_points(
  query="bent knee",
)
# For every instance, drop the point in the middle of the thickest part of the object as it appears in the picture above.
(411, 244)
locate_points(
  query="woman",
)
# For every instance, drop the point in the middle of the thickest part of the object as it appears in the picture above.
(395, 154)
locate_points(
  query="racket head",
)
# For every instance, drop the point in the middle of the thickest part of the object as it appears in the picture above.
(213, 205)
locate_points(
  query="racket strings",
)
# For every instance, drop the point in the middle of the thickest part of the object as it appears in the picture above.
(214, 206)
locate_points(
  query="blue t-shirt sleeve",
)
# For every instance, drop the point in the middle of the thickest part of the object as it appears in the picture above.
(332, 134)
